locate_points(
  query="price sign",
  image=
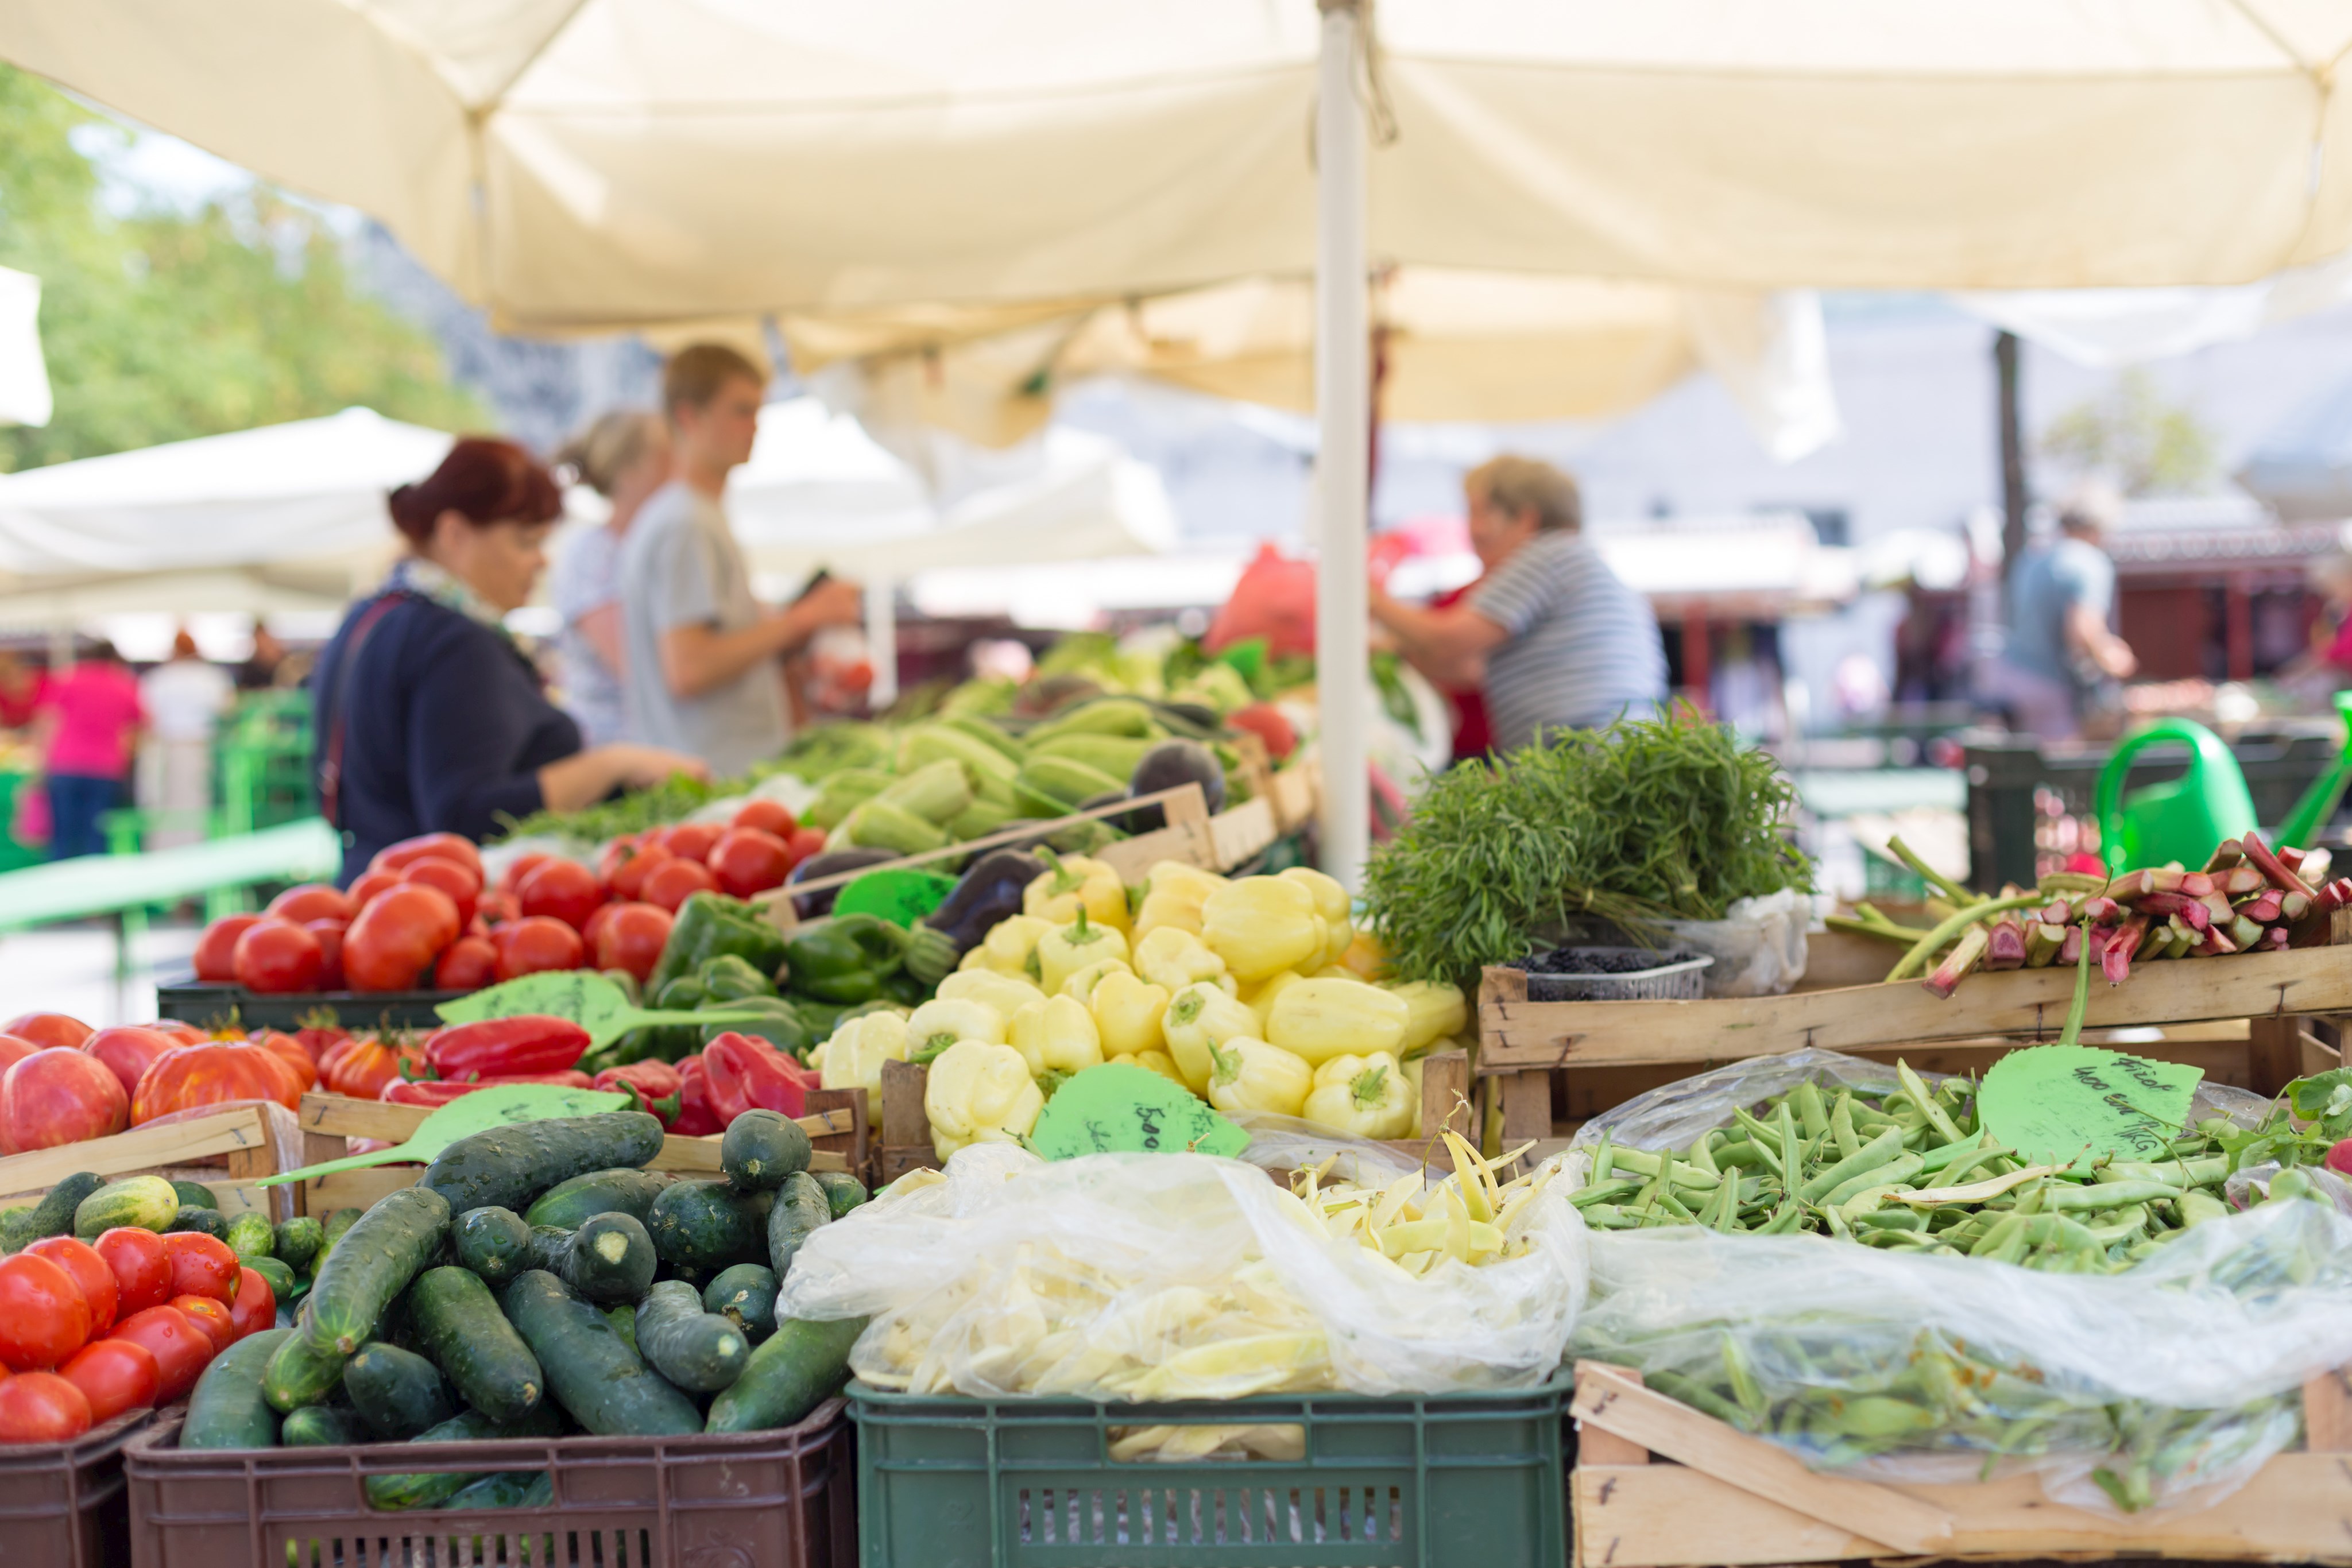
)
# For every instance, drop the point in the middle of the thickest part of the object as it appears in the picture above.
(2061, 1104)
(1121, 1109)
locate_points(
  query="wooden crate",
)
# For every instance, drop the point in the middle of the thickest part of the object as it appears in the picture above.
(1726, 1498)
(835, 1126)
(227, 1152)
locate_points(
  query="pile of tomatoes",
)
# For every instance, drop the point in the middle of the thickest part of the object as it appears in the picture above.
(61, 1082)
(91, 1329)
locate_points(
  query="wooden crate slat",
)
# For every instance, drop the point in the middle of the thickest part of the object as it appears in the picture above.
(140, 1149)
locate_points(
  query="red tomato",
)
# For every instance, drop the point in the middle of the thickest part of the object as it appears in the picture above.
(510, 879)
(90, 1276)
(42, 1407)
(287, 1049)
(43, 1318)
(276, 956)
(312, 900)
(59, 1096)
(495, 909)
(562, 890)
(142, 1269)
(471, 963)
(632, 938)
(129, 1051)
(368, 886)
(675, 882)
(748, 860)
(535, 944)
(46, 1030)
(316, 1039)
(13, 1048)
(629, 871)
(596, 924)
(449, 846)
(216, 1072)
(330, 936)
(216, 948)
(461, 883)
(692, 841)
(768, 816)
(218, 1323)
(180, 1030)
(201, 1265)
(256, 1304)
(2339, 1158)
(400, 932)
(804, 843)
(114, 1375)
(180, 1348)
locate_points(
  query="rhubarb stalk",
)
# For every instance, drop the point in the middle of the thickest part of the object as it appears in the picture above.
(1965, 954)
(2005, 947)
(1922, 950)
(2260, 853)
(2115, 961)
(2042, 941)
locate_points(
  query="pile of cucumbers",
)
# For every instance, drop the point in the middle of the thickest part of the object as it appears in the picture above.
(87, 1205)
(537, 1283)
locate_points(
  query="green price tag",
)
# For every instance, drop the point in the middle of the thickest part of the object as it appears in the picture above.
(2058, 1103)
(1120, 1109)
(900, 897)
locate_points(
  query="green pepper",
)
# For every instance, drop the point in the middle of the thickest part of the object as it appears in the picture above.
(781, 1024)
(844, 958)
(682, 994)
(709, 924)
(905, 989)
(729, 977)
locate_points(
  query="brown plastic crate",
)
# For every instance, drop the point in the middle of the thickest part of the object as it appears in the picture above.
(784, 1498)
(61, 1504)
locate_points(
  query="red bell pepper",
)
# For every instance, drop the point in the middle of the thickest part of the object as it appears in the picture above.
(529, 1043)
(696, 1119)
(747, 1073)
(655, 1083)
(439, 1092)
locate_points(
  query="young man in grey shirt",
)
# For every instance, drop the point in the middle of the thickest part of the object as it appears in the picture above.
(702, 675)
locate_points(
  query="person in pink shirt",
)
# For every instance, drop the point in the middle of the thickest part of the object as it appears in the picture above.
(87, 723)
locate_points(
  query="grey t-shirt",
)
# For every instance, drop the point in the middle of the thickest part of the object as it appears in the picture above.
(679, 565)
(586, 578)
(1583, 647)
(2051, 580)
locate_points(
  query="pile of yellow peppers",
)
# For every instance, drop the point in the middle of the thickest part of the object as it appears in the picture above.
(1256, 994)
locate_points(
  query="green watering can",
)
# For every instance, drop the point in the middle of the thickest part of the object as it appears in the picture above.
(2187, 819)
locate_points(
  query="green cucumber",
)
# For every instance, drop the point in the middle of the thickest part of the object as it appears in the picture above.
(227, 1409)
(800, 1207)
(760, 1148)
(609, 1258)
(54, 1214)
(590, 1370)
(383, 1251)
(842, 1191)
(432, 1488)
(16, 1228)
(508, 1166)
(281, 1279)
(493, 1242)
(700, 1352)
(802, 1365)
(343, 1219)
(301, 1372)
(397, 1392)
(708, 1225)
(147, 1202)
(508, 1489)
(324, 1427)
(569, 1205)
(298, 1242)
(745, 1296)
(210, 1222)
(624, 1320)
(195, 1194)
(457, 1322)
(250, 1237)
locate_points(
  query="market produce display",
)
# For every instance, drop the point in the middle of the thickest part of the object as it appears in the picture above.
(73, 1083)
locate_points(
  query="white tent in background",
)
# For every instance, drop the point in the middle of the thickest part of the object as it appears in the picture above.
(23, 374)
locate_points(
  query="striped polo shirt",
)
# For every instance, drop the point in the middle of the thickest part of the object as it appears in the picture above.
(1583, 648)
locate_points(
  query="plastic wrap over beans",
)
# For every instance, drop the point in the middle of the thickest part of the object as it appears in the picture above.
(1134, 1277)
(1925, 1308)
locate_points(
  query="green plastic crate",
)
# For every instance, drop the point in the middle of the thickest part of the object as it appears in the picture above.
(1457, 1481)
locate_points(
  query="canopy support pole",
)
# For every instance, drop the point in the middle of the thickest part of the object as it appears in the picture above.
(1343, 458)
(882, 639)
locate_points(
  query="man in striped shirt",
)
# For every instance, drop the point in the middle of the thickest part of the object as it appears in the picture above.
(1555, 639)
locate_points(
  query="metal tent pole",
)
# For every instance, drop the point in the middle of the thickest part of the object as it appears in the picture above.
(1342, 402)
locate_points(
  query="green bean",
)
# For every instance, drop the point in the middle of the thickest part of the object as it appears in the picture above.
(1603, 1158)
(1645, 1163)
(1927, 1102)
(1602, 1192)
(1888, 1175)
(1841, 1125)
(2108, 1194)
(1811, 1111)
(1881, 1150)
(1701, 1157)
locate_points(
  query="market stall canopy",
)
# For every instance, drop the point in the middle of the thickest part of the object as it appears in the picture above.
(23, 374)
(584, 164)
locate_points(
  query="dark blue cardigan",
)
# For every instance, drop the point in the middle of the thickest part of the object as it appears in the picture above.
(448, 727)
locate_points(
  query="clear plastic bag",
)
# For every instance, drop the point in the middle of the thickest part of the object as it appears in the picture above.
(1759, 945)
(1134, 1277)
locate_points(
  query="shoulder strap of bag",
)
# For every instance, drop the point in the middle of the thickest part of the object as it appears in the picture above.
(331, 752)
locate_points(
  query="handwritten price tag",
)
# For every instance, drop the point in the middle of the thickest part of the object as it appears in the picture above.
(2060, 1103)
(1120, 1109)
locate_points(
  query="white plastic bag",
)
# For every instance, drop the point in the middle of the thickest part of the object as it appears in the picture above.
(1759, 945)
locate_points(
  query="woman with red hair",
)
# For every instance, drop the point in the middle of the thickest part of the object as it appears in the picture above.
(430, 719)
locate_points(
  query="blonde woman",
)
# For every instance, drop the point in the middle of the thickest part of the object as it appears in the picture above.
(624, 457)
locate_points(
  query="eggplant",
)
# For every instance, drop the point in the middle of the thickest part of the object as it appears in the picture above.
(988, 892)
(1168, 766)
(831, 862)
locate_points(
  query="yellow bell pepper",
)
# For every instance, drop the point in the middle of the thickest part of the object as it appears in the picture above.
(1199, 1017)
(1058, 1035)
(1261, 925)
(1127, 1014)
(855, 1055)
(980, 1093)
(1365, 1096)
(1319, 1020)
(941, 1023)
(1158, 1062)
(1082, 983)
(1173, 893)
(1077, 883)
(1003, 992)
(1261, 999)
(1064, 950)
(1434, 1011)
(1174, 957)
(1011, 946)
(1251, 1075)
(1332, 903)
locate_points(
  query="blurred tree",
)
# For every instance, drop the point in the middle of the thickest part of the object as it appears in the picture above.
(161, 326)
(2131, 435)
